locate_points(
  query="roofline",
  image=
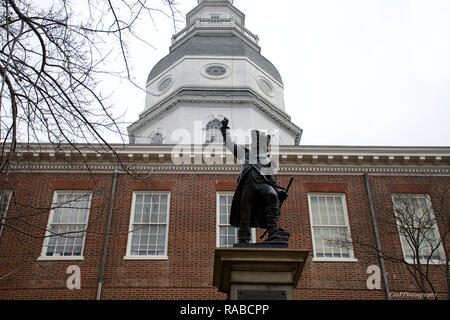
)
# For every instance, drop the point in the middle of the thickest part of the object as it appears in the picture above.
(192, 159)
(284, 149)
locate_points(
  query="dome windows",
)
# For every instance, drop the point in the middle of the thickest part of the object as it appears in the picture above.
(266, 86)
(215, 71)
(164, 84)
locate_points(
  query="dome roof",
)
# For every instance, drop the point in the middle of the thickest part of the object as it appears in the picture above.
(214, 45)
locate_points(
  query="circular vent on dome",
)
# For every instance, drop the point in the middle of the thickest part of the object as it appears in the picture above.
(165, 84)
(215, 71)
(266, 87)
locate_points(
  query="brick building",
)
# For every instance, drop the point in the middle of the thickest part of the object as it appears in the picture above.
(179, 264)
(152, 234)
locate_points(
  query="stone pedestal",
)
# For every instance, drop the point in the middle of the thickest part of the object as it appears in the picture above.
(258, 273)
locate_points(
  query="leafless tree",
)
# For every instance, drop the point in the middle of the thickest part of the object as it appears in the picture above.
(53, 57)
(419, 235)
(423, 228)
(51, 62)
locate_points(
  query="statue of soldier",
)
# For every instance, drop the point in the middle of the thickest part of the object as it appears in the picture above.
(257, 199)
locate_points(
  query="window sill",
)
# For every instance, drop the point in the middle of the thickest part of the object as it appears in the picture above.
(60, 258)
(146, 258)
(424, 262)
(335, 260)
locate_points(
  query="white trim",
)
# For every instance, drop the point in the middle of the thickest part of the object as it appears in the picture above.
(343, 162)
(43, 256)
(165, 257)
(432, 261)
(414, 151)
(128, 256)
(334, 259)
(230, 169)
(347, 225)
(60, 258)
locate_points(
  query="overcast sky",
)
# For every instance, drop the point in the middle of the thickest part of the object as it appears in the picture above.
(356, 72)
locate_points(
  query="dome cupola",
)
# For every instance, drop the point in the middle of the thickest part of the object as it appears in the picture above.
(216, 59)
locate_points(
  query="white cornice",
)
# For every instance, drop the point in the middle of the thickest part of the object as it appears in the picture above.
(319, 149)
(340, 160)
(222, 169)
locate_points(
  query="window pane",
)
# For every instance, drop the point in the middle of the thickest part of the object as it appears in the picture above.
(162, 213)
(323, 211)
(138, 213)
(223, 201)
(60, 198)
(227, 234)
(315, 210)
(149, 232)
(314, 202)
(340, 215)
(224, 216)
(57, 215)
(83, 216)
(64, 238)
(319, 243)
(224, 209)
(417, 227)
(147, 198)
(332, 211)
(68, 224)
(330, 230)
(146, 214)
(155, 202)
(330, 242)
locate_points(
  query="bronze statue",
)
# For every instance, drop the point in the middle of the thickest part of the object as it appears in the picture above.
(258, 198)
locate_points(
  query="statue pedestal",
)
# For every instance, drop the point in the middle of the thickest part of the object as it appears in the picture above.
(258, 273)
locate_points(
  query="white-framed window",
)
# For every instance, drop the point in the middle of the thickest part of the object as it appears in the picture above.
(67, 224)
(4, 208)
(226, 234)
(330, 227)
(149, 226)
(417, 228)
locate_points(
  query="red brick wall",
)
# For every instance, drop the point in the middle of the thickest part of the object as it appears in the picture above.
(382, 189)
(188, 272)
(29, 212)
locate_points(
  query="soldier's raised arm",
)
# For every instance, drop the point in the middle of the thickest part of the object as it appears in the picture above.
(238, 151)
